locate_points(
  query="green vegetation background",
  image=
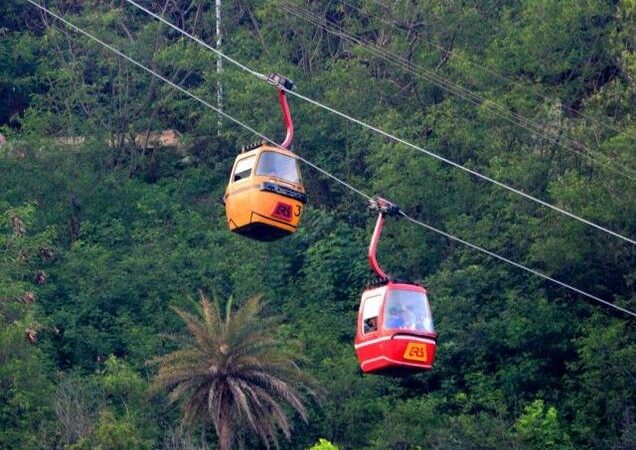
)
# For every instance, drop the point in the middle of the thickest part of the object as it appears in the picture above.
(108, 237)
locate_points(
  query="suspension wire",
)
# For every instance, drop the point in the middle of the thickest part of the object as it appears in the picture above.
(195, 97)
(393, 23)
(516, 264)
(457, 90)
(324, 172)
(397, 139)
(465, 169)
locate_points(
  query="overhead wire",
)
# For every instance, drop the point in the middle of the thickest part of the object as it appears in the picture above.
(193, 96)
(325, 172)
(395, 25)
(464, 93)
(391, 136)
(468, 95)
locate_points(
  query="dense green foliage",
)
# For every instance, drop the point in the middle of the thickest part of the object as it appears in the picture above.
(100, 236)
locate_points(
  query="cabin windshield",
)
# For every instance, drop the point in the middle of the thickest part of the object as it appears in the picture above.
(407, 310)
(243, 168)
(278, 165)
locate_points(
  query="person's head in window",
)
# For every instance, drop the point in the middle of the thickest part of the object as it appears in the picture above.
(371, 324)
(410, 317)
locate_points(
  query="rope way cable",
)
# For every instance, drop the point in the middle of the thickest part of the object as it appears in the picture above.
(393, 23)
(324, 172)
(191, 95)
(457, 90)
(516, 264)
(466, 169)
(262, 76)
(466, 94)
(391, 136)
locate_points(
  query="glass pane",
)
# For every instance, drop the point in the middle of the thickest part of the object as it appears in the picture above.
(278, 165)
(407, 310)
(243, 168)
(370, 313)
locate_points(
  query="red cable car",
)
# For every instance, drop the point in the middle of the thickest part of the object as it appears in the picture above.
(265, 195)
(395, 333)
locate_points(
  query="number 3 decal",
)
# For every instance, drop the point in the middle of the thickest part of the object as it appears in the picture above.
(297, 212)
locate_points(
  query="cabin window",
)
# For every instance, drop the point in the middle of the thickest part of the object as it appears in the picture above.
(370, 313)
(280, 166)
(243, 168)
(407, 310)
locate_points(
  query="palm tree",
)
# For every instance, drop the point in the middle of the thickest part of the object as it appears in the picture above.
(232, 371)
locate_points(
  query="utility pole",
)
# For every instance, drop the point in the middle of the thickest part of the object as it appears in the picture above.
(219, 65)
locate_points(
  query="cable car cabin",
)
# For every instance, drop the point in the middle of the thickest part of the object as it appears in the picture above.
(265, 196)
(395, 334)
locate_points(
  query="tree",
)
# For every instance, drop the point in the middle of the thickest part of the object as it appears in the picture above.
(323, 444)
(540, 428)
(232, 371)
(25, 384)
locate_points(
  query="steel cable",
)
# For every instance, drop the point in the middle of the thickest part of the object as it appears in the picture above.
(395, 138)
(466, 94)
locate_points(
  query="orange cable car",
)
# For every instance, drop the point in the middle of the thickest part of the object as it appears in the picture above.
(395, 333)
(265, 195)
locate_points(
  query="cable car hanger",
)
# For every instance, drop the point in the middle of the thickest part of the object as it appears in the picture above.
(384, 208)
(283, 85)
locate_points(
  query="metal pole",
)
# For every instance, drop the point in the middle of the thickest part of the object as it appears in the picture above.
(219, 64)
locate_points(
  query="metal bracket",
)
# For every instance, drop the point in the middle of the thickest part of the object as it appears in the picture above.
(280, 81)
(384, 206)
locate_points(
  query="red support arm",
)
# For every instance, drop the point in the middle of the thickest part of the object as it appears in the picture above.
(282, 99)
(374, 246)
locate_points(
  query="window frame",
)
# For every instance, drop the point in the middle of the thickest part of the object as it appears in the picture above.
(299, 178)
(364, 317)
(428, 316)
(236, 167)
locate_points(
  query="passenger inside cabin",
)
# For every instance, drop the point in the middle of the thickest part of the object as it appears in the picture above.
(371, 324)
(408, 310)
(410, 319)
(396, 318)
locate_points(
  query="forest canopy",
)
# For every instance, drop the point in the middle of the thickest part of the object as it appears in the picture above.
(111, 215)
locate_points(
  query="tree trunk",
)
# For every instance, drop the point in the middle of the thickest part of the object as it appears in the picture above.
(225, 434)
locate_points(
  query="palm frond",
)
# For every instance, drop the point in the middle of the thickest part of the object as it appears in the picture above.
(231, 369)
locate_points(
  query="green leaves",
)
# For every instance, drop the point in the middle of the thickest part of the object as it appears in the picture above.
(539, 428)
(233, 372)
(135, 232)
